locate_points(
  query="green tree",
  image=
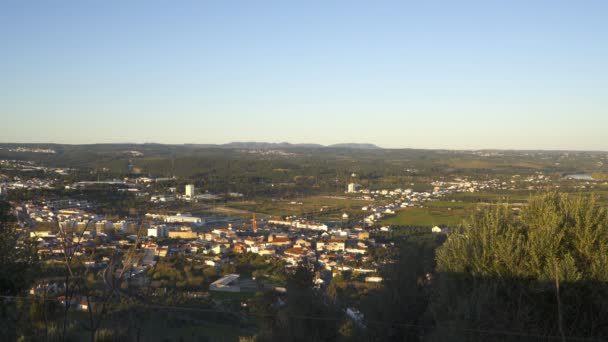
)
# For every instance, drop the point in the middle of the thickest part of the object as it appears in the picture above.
(500, 271)
(18, 259)
(306, 314)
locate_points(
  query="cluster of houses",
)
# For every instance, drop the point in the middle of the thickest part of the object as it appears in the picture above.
(440, 189)
(403, 198)
(32, 150)
(28, 166)
(17, 183)
(292, 240)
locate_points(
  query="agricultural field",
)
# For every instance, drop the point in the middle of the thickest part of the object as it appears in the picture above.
(432, 214)
(520, 196)
(317, 206)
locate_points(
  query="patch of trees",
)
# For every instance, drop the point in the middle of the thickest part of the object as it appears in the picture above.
(181, 274)
(303, 314)
(542, 272)
(17, 271)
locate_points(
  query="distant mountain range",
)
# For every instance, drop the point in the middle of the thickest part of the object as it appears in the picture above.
(254, 145)
(244, 145)
(357, 146)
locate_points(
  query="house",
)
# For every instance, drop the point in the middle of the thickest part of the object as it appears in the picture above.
(302, 243)
(157, 231)
(182, 233)
(358, 249)
(250, 241)
(215, 261)
(297, 254)
(219, 249)
(267, 251)
(279, 241)
(162, 251)
(363, 235)
(224, 232)
(336, 244)
(320, 245)
(239, 247)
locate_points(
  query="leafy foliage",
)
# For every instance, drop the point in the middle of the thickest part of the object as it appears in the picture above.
(17, 266)
(500, 270)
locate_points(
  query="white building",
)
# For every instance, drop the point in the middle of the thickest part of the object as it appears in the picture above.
(311, 226)
(373, 279)
(226, 284)
(190, 190)
(158, 231)
(162, 198)
(352, 187)
(179, 218)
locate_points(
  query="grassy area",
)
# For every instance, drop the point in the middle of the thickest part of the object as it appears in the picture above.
(492, 197)
(450, 204)
(430, 216)
(309, 204)
(465, 204)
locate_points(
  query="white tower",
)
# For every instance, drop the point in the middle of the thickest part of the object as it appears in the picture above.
(190, 190)
(352, 187)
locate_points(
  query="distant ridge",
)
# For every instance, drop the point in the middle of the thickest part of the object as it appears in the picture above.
(265, 145)
(286, 145)
(245, 145)
(356, 146)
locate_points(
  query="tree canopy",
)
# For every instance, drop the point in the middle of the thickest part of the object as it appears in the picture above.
(501, 270)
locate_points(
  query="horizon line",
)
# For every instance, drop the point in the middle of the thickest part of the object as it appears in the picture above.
(309, 143)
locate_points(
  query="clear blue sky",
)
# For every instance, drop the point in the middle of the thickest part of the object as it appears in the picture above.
(422, 74)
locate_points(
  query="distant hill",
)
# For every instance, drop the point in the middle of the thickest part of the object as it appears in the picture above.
(356, 146)
(265, 145)
(285, 145)
(245, 145)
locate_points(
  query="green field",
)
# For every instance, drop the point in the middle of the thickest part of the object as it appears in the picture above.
(520, 196)
(312, 204)
(433, 214)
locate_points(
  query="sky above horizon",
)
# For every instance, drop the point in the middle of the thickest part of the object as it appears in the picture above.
(399, 74)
